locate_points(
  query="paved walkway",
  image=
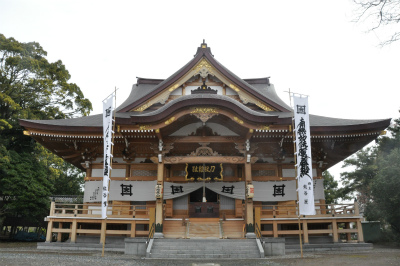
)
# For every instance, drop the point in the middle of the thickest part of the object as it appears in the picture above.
(13, 254)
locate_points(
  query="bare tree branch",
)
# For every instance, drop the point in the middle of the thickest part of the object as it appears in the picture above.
(382, 15)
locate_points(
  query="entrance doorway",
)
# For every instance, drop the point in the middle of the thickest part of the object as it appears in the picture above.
(200, 209)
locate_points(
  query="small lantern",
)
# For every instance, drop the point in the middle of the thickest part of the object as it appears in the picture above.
(159, 191)
(249, 191)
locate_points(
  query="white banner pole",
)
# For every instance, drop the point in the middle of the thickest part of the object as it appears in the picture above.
(108, 134)
(303, 157)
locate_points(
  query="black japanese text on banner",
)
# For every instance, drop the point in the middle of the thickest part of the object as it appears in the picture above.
(108, 107)
(304, 162)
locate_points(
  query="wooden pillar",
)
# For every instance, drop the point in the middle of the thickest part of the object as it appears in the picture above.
(159, 202)
(275, 228)
(348, 235)
(249, 201)
(59, 235)
(103, 231)
(335, 232)
(49, 232)
(73, 231)
(133, 228)
(152, 216)
(305, 231)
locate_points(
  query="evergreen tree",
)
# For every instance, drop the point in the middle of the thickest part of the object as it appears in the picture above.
(31, 87)
(375, 180)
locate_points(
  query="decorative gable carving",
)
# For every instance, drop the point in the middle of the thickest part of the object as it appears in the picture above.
(204, 113)
(204, 151)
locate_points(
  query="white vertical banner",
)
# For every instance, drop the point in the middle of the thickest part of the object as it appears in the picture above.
(108, 108)
(303, 153)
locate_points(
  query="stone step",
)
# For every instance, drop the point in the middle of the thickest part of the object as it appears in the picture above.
(203, 248)
(207, 256)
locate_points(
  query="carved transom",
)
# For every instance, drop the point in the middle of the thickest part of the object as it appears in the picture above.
(204, 151)
(204, 113)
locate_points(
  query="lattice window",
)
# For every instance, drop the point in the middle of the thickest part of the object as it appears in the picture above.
(256, 173)
(144, 173)
(228, 171)
(178, 173)
(67, 199)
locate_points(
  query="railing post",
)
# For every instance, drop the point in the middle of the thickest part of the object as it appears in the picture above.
(52, 208)
(356, 208)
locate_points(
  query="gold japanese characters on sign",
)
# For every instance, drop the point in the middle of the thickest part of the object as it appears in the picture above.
(204, 172)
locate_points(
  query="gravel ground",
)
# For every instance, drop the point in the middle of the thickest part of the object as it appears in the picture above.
(26, 254)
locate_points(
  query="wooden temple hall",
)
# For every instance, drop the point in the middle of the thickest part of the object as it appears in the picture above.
(202, 153)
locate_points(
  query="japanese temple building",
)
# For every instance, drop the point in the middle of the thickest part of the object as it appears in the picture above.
(190, 149)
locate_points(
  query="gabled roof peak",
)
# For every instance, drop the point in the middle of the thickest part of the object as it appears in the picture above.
(203, 49)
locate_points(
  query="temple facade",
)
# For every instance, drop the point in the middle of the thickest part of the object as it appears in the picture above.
(202, 146)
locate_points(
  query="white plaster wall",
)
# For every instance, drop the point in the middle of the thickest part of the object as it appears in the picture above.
(226, 203)
(292, 173)
(229, 91)
(178, 91)
(180, 203)
(114, 172)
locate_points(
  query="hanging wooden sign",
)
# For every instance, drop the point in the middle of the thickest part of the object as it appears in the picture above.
(207, 172)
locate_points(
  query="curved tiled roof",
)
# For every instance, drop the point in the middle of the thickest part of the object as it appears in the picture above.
(317, 123)
(195, 97)
(140, 96)
(138, 91)
(259, 88)
(270, 93)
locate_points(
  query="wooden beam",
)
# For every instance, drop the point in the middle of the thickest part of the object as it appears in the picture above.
(249, 133)
(203, 159)
(197, 139)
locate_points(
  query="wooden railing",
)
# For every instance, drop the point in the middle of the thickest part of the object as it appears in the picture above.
(322, 210)
(93, 210)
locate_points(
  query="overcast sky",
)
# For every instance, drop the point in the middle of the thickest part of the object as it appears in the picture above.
(311, 47)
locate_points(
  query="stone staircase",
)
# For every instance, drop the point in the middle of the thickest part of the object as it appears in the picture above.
(204, 229)
(204, 248)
